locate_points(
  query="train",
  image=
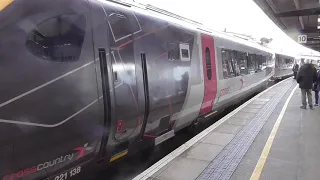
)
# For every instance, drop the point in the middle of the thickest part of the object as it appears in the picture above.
(283, 65)
(84, 83)
(313, 59)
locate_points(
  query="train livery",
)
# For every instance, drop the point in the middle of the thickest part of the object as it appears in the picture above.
(86, 82)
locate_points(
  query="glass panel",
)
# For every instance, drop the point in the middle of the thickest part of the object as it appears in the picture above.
(241, 60)
(208, 63)
(173, 52)
(58, 39)
(227, 65)
(185, 53)
(252, 67)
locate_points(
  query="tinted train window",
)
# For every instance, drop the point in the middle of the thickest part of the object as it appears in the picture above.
(252, 64)
(185, 53)
(120, 26)
(259, 63)
(123, 23)
(173, 52)
(58, 39)
(264, 62)
(269, 60)
(208, 63)
(227, 64)
(241, 62)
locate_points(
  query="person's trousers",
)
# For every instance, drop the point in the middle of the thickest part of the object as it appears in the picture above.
(304, 93)
(295, 75)
(316, 93)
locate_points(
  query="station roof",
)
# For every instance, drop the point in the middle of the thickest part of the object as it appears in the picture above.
(295, 17)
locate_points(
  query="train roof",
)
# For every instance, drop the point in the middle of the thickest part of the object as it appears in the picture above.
(184, 22)
(286, 54)
(308, 57)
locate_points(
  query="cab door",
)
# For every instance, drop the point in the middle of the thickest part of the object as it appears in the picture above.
(209, 71)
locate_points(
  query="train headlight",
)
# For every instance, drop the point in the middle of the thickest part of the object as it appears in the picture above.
(4, 4)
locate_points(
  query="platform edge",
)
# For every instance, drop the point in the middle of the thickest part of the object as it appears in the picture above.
(164, 161)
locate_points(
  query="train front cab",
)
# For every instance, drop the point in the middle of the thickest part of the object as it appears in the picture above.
(54, 109)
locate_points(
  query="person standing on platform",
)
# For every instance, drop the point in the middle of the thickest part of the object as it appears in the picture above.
(306, 76)
(295, 69)
(316, 87)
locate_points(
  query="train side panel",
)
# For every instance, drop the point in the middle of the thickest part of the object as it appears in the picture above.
(170, 52)
(234, 86)
(194, 97)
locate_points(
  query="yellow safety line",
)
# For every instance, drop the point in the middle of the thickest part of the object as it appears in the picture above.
(120, 155)
(210, 114)
(4, 3)
(264, 155)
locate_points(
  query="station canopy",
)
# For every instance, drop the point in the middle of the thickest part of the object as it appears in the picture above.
(296, 18)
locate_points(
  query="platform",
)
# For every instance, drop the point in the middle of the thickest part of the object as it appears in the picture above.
(268, 137)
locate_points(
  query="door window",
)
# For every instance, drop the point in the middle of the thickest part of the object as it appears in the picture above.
(123, 23)
(227, 64)
(241, 62)
(184, 52)
(208, 63)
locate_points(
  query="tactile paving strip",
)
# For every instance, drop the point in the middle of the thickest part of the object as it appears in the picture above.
(226, 162)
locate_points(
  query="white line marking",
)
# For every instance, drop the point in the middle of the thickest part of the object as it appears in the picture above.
(164, 161)
(48, 125)
(43, 85)
(114, 38)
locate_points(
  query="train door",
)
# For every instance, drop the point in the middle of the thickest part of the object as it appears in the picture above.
(122, 27)
(209, 71)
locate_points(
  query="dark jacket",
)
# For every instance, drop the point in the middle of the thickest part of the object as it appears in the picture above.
(318, 80)
(295, 68)
(318, 77)
(307, 75)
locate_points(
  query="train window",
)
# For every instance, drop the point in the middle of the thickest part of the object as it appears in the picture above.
(264, 62)
(240, 63)
(227, 64)
(252, 65)
(184, 52)
(173, 52)
(123, 23)
(120, 28)
(259, 63)
(58, 39)
(269, 60)
(289, 62)
(208, 63)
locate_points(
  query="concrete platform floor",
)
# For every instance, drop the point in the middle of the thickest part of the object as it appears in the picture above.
(231, 148)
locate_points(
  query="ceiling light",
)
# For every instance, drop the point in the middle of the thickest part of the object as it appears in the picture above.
(318, 27)
(318, 19)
